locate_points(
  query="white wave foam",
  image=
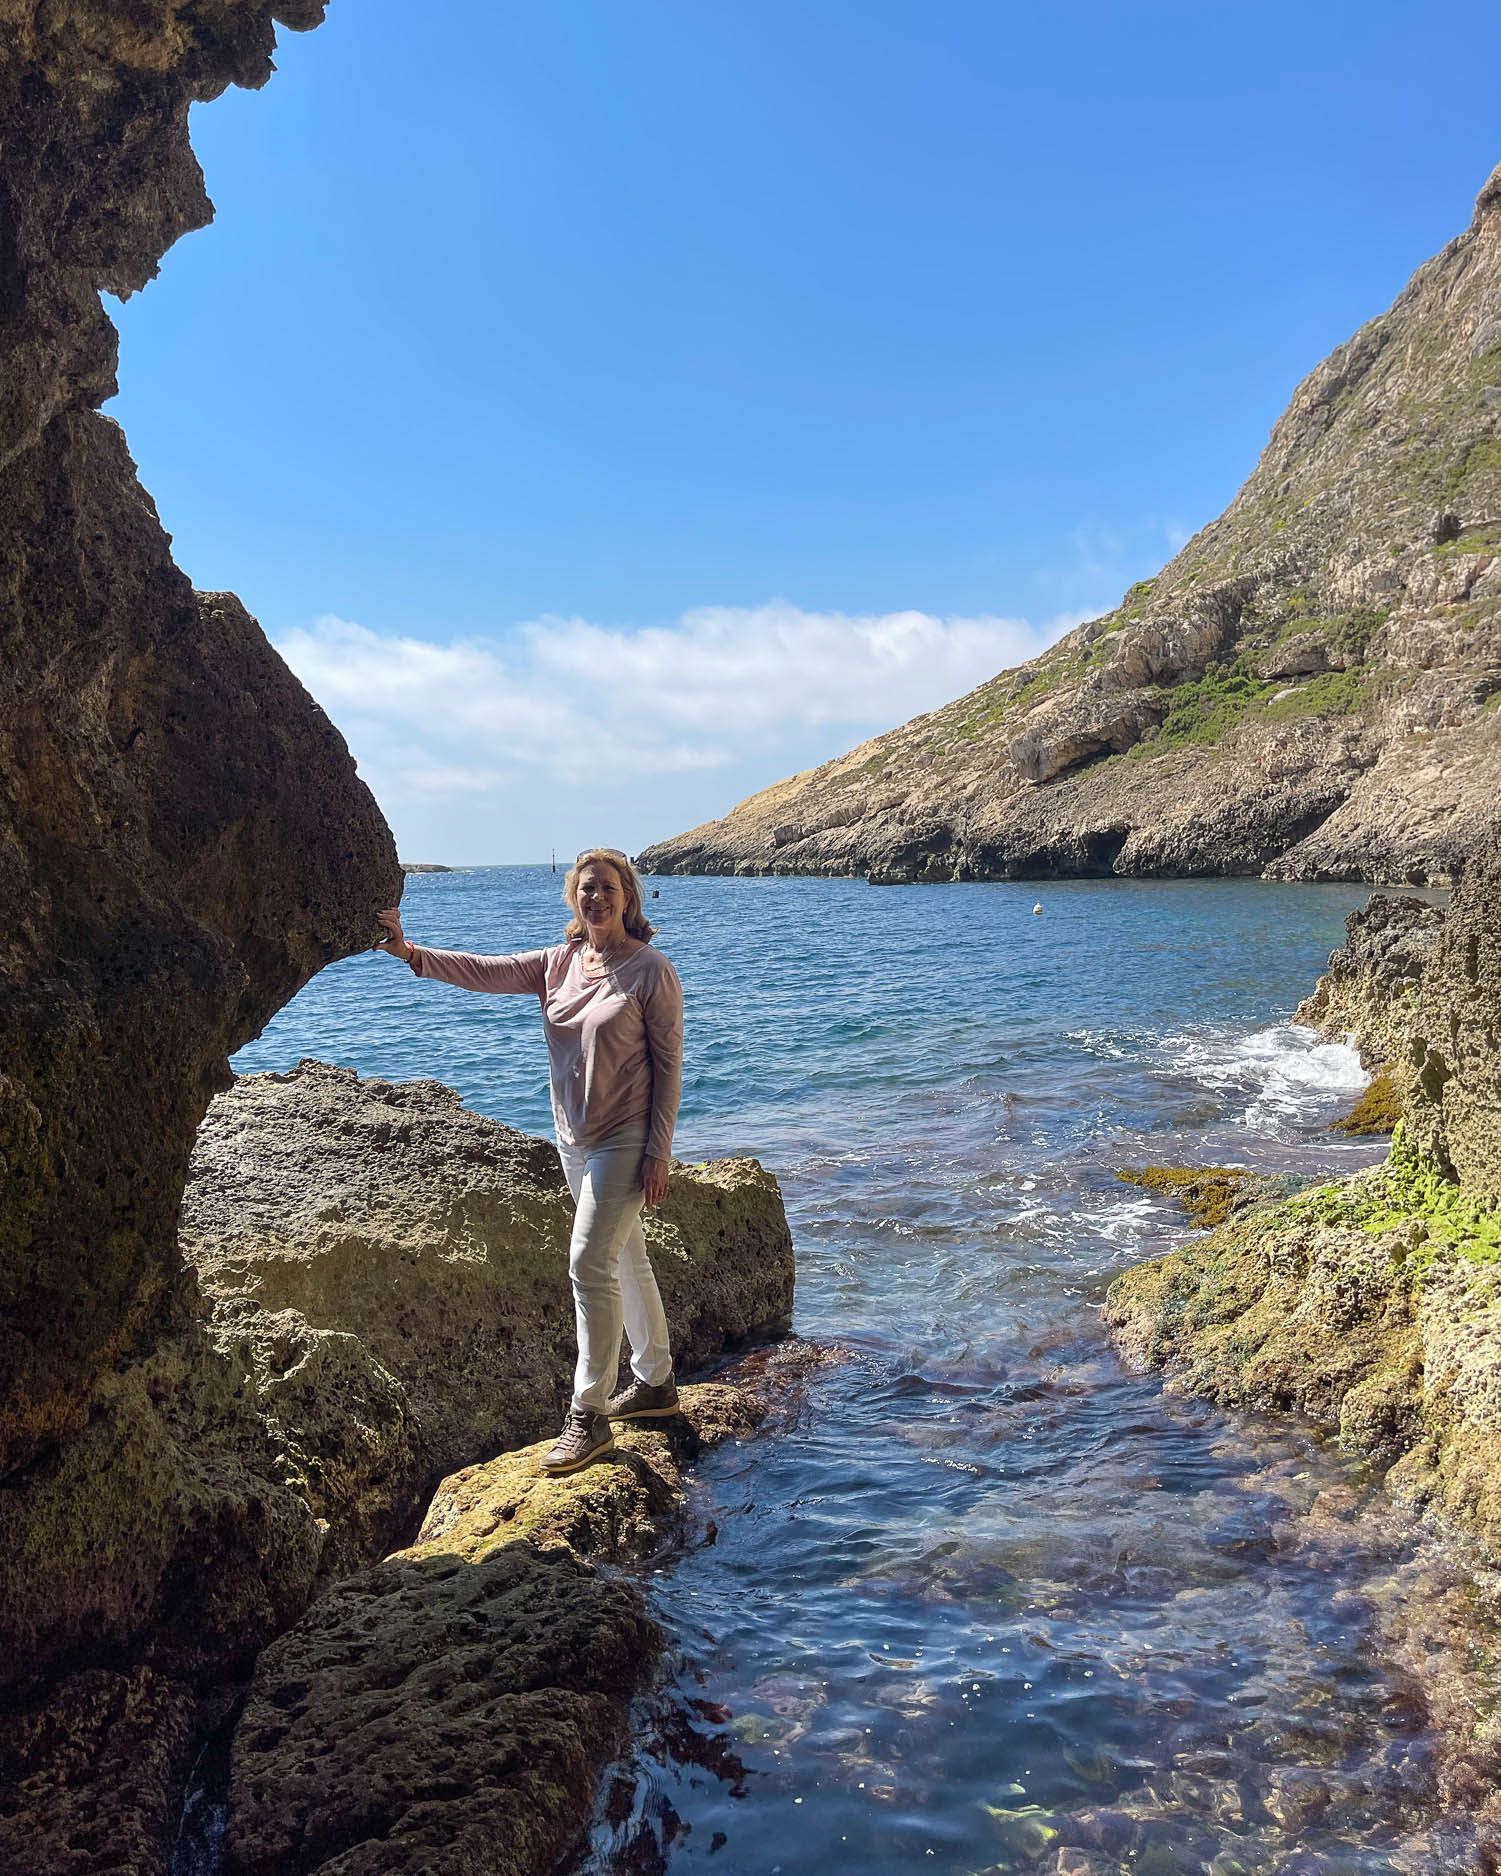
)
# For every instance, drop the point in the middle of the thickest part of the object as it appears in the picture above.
(1288, 1075)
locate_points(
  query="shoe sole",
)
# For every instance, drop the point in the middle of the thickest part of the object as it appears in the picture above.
(650, 1413)
(577, 1465)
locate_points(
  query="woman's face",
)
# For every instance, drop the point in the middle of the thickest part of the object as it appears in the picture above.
(601, 900)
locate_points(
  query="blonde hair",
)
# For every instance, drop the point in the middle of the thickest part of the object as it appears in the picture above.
(632, 915)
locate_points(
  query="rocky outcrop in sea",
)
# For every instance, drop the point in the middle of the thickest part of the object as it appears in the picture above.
(1307, 691)
(1373, 1303)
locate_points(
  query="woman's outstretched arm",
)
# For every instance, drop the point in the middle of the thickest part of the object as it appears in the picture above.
(522, 974)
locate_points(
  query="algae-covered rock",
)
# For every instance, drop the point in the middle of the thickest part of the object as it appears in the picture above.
(437, 1715)
(1371, 1304)
(450, 1709)
(1376, 1110)
(1207, 1193)
(394, 1269)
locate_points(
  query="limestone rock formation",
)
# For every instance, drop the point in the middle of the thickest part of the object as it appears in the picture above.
(1307, 690)
(377, 1293)
(1369, 991)
(394, 1271)
(183, 839)
(1374, 1302)
(183, 842)
(449, 1709)
(1454, 1108)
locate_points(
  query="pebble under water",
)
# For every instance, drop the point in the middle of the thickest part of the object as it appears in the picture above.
(987, 1601)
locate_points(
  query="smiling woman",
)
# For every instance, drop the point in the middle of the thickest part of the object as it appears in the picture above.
(612, 1012)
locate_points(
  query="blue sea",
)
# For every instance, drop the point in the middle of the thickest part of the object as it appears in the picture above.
(989, 1602)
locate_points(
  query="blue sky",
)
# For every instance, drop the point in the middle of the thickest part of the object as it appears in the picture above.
(609, 410)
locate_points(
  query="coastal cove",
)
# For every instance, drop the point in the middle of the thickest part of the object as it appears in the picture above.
(989, 1583)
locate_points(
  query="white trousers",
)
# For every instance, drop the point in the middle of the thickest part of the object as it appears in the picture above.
(612, 1277)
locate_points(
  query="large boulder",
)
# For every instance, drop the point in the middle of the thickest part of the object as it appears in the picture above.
(376, 1295)
(394, 1271)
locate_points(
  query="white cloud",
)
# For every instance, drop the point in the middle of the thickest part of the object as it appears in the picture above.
(723, 681)
(555, 705)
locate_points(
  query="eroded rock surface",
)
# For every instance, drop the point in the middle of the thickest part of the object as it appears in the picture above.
(394, 1271)
(1306, 690)
(384, 1296)
(1369, 992)
(183, 839)
(183, 843)
(450, 1709)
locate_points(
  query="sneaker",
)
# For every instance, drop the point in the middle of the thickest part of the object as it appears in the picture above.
(640, 1402)
(586, 1436)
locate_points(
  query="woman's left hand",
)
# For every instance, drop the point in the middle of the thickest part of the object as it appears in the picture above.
(654, 1179)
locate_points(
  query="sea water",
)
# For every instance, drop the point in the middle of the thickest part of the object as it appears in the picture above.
(988, 1595)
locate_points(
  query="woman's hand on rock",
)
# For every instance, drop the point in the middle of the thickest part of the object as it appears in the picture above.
(395, 940)
(654, 1179)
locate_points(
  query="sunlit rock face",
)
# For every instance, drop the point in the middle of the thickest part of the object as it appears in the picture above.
(1306, 691)
(1454, 1055)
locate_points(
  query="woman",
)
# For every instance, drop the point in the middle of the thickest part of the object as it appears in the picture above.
(612, 1012)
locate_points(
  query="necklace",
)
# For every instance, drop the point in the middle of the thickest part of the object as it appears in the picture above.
(603, 958)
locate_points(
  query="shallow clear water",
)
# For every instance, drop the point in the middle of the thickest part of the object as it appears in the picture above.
(989, 1596)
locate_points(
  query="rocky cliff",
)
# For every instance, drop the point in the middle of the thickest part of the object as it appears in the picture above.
(183, 839)
(1307, 690)
(183, 842)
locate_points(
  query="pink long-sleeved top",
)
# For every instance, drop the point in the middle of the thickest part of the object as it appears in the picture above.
(614, 1042)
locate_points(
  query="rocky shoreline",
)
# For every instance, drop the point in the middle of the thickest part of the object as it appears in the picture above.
(374, 1318)
(1372, 1304)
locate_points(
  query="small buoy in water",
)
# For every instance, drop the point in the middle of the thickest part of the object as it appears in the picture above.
(1037, 909)
(655, 894)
